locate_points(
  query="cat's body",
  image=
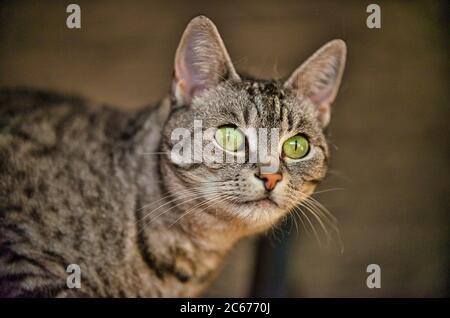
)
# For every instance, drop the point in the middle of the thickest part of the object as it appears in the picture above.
(70, 194)
(92, 186)
(65, 198)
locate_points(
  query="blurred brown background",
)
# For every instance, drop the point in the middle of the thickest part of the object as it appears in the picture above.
(389, 125)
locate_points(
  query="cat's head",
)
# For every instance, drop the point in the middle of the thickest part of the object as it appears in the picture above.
(210, 99)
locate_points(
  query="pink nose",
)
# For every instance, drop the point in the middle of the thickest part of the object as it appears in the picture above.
(270, 180)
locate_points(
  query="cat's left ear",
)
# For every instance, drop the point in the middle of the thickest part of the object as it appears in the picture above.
(319, 78)
(201, 61)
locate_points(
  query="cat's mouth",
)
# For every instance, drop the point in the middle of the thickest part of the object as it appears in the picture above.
(263, 202)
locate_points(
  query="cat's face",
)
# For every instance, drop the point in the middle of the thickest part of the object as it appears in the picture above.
(243, 187)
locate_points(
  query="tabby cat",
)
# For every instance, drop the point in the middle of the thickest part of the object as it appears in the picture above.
(93, 186)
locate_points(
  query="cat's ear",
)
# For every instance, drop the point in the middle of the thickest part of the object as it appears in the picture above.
(201, 61)
(319, 78)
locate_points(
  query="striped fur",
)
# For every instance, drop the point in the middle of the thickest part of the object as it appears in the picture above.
(89, 185)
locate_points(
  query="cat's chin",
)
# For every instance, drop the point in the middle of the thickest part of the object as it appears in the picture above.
(264, 203)
(257, 215)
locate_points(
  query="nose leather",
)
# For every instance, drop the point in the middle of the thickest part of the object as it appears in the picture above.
(270, 180)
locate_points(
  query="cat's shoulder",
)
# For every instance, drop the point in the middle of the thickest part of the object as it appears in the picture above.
(28, 99)
(37, 107)
(46, 118)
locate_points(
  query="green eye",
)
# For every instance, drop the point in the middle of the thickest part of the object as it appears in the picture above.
(229, 138)
(296, 147)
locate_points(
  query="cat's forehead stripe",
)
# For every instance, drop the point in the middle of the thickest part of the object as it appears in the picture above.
(267, 103)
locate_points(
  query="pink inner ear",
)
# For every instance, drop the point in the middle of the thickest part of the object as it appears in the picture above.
(189, 79)
(183, 77)
(321, 95)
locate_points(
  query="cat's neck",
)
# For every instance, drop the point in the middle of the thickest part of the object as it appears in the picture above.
(182, 244)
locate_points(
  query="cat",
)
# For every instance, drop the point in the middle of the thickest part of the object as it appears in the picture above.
(87, 184)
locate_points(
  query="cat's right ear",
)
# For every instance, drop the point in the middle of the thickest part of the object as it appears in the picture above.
(201, 61)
